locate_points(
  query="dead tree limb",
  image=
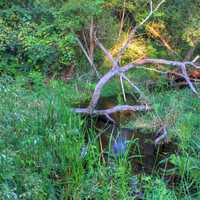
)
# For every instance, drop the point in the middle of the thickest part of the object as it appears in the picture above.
(133, 31)
(107, 54)
(92, 42)
(122, 87)
(113, 109)
(132, 84)
(118, 70)
(183, 69)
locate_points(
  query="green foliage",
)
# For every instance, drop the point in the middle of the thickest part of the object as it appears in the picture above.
(43, 153)
(42, 145)
(36, 142)
(185, 32)
(179, 17)
(159, 192)
(41, 36)
(192, 31)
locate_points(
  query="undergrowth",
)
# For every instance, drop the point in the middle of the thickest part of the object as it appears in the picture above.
(43, 153)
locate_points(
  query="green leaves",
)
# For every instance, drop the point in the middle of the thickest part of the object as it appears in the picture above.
(39, 36)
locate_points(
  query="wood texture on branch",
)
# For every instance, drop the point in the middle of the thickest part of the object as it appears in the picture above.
(113, 109)
(181, 65)
(107, 54)
(118, 71)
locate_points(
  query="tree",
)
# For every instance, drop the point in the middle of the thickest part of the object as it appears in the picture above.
(118, 70)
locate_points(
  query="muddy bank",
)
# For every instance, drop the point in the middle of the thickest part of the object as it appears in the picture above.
(139, 144)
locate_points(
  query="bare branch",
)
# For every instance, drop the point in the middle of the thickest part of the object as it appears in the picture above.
(122, 18)
(165, 72)
(113, 109)
(119, 71)
(88, 57)
(195, 59)
(192, 64)
(183, 69)
(181, 65)
(132, 33)
(122, 86)
(161, 72)
(162, 62)
(92, 42)
(132, 84)
(110, 118)
(107, 54)
(97, 92)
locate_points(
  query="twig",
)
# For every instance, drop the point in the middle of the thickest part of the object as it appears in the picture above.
(107, 54)
(122, 18)
(88, 57)
(195, 59)
(183, 69)
(91, 52)
(164, 72)
(132, 84)
(110, 118)
(102, 150)
(132, 33)
(122, 86)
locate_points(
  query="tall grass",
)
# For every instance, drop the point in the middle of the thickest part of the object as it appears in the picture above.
(43, 153)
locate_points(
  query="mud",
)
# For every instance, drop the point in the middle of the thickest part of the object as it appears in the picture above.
(144, 155)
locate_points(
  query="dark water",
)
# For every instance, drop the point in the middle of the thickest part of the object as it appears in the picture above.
(137, 144)
(144, 155)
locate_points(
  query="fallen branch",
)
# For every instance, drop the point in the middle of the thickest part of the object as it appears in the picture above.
(183, 69)
(132, 84)
(113, 109)
(122, 18)
(117, 70)
(107, 54)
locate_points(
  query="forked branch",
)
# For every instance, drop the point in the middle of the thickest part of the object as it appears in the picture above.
(120, 71)
(133, 31)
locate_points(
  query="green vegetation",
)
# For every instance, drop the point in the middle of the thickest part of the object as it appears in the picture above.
(42, 142)
(49, 152)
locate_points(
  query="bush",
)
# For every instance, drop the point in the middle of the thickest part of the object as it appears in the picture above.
(41, 35)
